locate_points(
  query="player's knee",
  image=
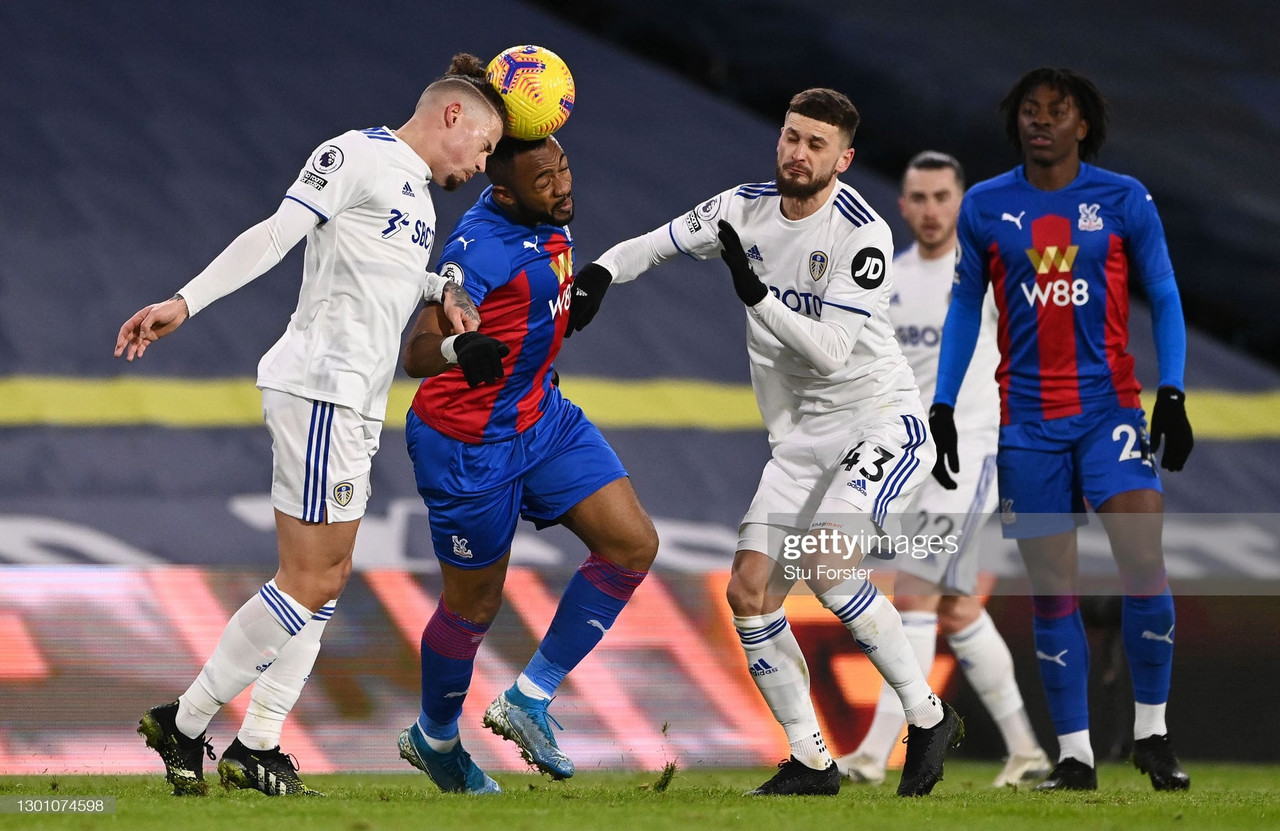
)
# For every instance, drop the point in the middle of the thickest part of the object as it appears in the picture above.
(644, 547)
(314, 587)
(637, 550)
(908, 602)
(333, 580)
(1143, 575)
(957, 613)
(480, 608)
(1140, 560)
(746, 599)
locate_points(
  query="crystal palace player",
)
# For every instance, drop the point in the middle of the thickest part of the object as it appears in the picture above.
(1058, 240)
(843, 413)
(497, 441)
(937, 591)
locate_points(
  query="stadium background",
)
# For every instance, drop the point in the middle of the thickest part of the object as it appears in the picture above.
(141, 137)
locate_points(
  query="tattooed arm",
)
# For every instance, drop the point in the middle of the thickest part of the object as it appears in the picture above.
(459, 309)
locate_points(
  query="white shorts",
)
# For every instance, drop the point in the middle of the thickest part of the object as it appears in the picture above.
(956, 515)
(857, 479)
(322, 454)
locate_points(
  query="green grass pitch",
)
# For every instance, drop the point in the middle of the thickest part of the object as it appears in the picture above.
(1222, 796)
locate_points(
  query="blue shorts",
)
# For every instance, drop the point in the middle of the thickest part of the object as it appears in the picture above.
(476, 492)
(1050, 470)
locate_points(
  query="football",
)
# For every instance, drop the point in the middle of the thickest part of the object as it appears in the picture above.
(537, 87)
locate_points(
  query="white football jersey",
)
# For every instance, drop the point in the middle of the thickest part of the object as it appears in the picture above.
(840, 254)
(918, 306)
(363, 272)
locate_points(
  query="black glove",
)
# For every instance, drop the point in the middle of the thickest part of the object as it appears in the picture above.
(1169, 420)
(480, 358)
(589, 286)
(745, 282)
(942, 424)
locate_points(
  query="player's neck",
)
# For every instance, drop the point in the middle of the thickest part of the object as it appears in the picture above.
(795, 209)
(945, 248)
(415, 134)
(1055, 176)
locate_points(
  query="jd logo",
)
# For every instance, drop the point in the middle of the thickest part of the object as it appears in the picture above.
(868, 268)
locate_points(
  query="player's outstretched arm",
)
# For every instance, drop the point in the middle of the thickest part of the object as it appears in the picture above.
(149, 325)
(589, 286)
(249, 256)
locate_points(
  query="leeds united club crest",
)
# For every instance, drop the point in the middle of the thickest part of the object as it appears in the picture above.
(817, 265)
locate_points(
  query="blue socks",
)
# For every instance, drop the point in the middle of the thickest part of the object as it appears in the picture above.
(1147, 627)
(1062, 652)
(449, 645)
(589, 606)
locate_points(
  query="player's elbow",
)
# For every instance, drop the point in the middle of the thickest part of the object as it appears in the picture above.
(422, 358)
(826, 365)
(830, 360)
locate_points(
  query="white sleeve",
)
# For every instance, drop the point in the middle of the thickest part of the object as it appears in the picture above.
(629, 259)
(825, 343)
(433, 287)
(860, 275)
(249, 255)
(693, 234)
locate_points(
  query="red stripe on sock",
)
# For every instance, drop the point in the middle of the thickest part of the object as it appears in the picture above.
(1054, 606)
(611, 578)
(452, 635)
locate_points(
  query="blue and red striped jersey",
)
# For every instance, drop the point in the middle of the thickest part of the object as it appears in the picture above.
(1059, 263)
(520, 277)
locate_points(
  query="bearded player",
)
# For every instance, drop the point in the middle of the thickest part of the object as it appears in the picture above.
(811, 263)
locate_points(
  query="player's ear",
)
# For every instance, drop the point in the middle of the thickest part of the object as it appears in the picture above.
(846, 159)
(452, 113)
(504, 196)
(1082, 130)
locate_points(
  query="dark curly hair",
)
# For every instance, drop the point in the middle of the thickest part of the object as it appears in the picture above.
(1088, 98)
(501, 165)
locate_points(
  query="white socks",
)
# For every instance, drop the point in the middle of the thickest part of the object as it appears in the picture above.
(249, 644)
(877, 629)
(277, 689)
(526, 685)
(1076, 746)
(921, 630)
(1148, 720)
(985, 659)
(780, 672)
